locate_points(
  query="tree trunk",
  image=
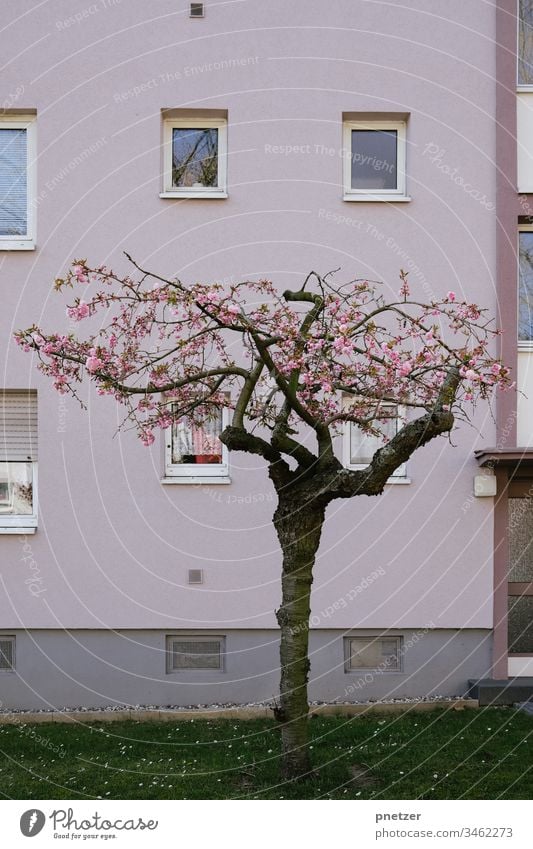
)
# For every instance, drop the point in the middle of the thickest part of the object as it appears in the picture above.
(299, 527)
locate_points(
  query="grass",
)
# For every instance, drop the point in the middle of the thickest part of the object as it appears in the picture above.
(474, 754)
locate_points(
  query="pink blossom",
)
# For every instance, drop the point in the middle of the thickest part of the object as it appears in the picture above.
(152, 336)
(79, 312)
(147, 437)
(93, 364)
(406, 368)
(80, 273)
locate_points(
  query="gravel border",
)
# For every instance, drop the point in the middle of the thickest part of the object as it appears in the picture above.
(171, 714)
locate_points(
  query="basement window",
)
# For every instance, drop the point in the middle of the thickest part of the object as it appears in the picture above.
(186, 653)
(380, 654)
(7, 653)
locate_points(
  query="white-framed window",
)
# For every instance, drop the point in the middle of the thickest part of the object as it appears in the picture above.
(525, 45)
(194, 453)
(7, 653)
(525, 286)
(195, 153)
(191, 652)
(17, 182)
(374, 157)
(380, 653)
(359, 447)
(18, 461)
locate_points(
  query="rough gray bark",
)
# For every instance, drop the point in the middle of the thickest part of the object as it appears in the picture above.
(299, 529)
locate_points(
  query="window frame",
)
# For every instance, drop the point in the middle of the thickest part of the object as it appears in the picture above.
(372, 638)
(197, 472)
(523, 344)
(520, 87)
(28, 123)
(195, 638)
(516, 589)
(400, 192)
(12, 638)
(203, 192)
(400, 475)
(23, 523)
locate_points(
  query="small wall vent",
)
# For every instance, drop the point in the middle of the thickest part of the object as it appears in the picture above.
(196, 10)
(196, 576)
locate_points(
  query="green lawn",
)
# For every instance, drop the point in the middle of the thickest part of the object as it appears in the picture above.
(471, 754)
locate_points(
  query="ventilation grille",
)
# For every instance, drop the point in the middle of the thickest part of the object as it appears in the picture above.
(18, 425)
(7, 653)
(196, 576)
(196, 10)
(195, 654)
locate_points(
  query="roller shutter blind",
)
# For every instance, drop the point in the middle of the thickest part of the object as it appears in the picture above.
(18, 425)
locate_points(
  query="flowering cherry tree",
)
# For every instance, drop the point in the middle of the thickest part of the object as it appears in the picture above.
(293, 368)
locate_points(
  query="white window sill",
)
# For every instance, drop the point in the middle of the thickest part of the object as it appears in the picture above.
(376, 198)
(24, 245)
(14, 529)
(188, 481)
(198, 195)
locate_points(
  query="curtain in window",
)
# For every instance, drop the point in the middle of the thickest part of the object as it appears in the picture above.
(192, 444)
(13, 182)
(16, 489)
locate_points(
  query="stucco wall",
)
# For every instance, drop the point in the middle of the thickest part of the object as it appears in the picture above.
(113, 545)
(97, 668)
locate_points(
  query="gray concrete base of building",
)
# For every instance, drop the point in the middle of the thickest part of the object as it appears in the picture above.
(498, 691)
(84, 668)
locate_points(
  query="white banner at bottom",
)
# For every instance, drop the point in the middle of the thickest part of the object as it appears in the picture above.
(260, 825)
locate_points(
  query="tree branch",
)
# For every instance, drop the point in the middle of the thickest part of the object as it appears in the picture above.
(413, 435)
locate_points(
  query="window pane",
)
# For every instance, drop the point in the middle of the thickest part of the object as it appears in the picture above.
(378, 653)
(13, 182)
(7, 646)
(374, 159)
(389, 654)
(16, 489)
(363, 446)
(192, 444)
(520, 539)
(196, 654)
(194, 157)
(521, 624)
(525, 294)
(525, 43)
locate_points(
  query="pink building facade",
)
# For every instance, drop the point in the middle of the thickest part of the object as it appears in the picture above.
(255, 140)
